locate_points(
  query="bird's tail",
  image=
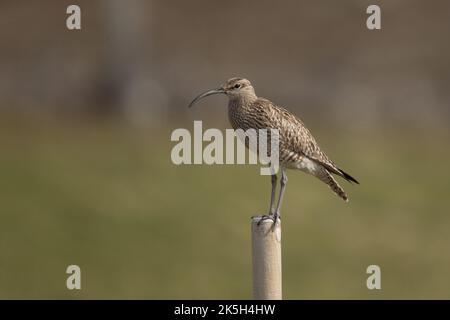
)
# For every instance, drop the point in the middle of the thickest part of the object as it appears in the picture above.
(326, 177)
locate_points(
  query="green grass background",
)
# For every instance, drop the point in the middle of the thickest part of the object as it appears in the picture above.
(107, 198)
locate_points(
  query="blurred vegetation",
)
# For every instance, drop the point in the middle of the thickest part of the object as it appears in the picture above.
(106, 197)
(85, 171)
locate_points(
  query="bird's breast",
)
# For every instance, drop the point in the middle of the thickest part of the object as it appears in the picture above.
(238, 116)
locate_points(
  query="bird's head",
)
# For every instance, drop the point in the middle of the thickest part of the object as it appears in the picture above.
(234, 88)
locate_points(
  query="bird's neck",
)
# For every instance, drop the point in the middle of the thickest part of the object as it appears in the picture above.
(243, 101)
(238, 110)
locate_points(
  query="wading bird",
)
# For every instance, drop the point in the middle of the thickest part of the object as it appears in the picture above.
(297, 147)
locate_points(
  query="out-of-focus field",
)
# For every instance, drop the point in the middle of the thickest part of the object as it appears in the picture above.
(108, 198)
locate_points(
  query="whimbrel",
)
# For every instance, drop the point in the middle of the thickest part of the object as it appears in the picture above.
(297, 147)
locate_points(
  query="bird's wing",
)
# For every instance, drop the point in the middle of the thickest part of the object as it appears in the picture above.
(301, 141)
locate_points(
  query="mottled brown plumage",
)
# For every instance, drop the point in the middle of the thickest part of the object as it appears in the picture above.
(298, 148)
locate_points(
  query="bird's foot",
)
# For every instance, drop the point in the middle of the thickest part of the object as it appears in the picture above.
(272, 216)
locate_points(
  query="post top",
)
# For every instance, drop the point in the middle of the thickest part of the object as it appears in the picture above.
(259, 219)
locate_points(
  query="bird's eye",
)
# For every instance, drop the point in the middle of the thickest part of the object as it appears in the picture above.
(237, 86)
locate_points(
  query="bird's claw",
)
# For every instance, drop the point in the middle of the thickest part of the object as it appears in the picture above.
(272, 216)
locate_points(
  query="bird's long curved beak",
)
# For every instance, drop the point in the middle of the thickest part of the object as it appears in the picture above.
(205, 94)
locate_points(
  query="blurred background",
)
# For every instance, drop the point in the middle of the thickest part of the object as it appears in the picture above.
(85, 170)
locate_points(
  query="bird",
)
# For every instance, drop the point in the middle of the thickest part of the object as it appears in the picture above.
(298, 148)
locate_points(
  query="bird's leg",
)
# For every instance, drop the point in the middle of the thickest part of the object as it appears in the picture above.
(271, 214)
(283, 183)
(272, 195)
